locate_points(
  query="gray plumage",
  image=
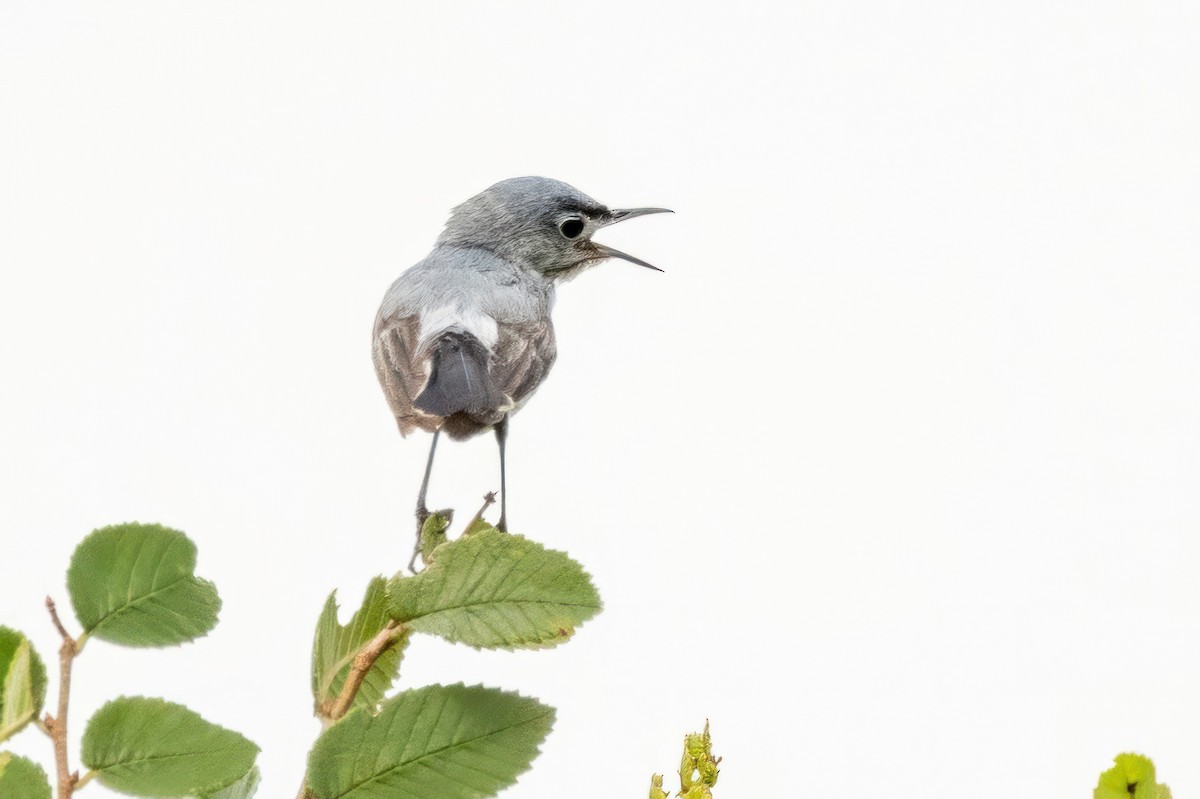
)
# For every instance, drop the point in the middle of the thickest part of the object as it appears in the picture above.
(462, 292)
(464, 337)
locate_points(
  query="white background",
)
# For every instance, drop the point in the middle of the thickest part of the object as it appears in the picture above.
(892, 475)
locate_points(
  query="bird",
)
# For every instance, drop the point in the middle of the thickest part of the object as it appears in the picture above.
(464, 337)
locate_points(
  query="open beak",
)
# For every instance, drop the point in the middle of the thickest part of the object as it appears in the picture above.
(620, 215)
(604, 251)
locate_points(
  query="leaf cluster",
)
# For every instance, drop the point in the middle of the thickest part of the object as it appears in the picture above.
(486, 589)
(133, 585)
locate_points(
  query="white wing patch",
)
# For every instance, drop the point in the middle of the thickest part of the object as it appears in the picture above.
(446, 317)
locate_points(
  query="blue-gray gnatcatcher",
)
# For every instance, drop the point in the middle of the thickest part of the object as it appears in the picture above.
(463, 338)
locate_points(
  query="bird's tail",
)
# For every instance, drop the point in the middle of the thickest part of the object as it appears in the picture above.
(459, 381)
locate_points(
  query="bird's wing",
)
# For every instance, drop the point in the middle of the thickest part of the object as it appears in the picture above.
(522, 357)
(402, 368)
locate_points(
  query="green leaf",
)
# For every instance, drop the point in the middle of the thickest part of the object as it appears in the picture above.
(21, 778)
(1131, 778)
(22, 683)
(244, 788)
(433, 533)
(133, 584)
(449, 742)
(334, 647)
(492, 589)
(151, 747)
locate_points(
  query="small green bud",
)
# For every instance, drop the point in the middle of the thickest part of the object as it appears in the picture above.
(1131, 778)
(698, 768)
(433, 532)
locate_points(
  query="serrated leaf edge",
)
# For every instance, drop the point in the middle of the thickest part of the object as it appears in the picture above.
(100, 772)
(520, 642)
(177, 537)
(550, 712)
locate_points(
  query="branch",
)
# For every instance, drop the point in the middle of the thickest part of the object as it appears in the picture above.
(362, 663)
(57, 725)
(364, 659)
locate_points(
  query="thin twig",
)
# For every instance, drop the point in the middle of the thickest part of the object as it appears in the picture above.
(57, 725)
(58, 625)
(489, 499)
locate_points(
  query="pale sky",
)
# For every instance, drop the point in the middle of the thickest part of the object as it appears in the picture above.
(892, 475)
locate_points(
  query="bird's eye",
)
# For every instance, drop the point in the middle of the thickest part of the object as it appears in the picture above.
(571, 228)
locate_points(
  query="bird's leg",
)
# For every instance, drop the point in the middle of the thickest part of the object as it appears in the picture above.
(422, 511)
(501, 437)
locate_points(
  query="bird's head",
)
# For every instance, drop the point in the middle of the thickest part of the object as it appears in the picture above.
(540, 223)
